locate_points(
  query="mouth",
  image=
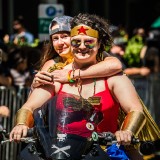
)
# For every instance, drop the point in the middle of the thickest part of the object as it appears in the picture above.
(83, 52)
(61, 49)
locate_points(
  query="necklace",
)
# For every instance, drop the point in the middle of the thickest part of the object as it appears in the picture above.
(94, 100)
(91, 101)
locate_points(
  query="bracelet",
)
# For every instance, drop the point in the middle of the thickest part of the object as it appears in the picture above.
(134, 122)
(69, 77)
(25, 117)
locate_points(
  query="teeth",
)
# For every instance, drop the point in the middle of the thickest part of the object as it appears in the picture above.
(84, 52)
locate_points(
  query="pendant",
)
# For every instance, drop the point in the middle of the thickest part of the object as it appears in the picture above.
(95, 136)
(94, 100)
(90, 126)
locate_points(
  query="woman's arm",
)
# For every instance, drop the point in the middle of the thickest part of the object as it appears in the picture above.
(108, 67)
(43, 77)
(124, 92)
(142, 71)
(5, 80)
(4, 111)
(24, 116)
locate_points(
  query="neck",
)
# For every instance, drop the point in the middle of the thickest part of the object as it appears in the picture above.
(67, 57)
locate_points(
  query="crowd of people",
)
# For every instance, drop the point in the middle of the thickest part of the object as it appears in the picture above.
(139, 53)
(83, 66)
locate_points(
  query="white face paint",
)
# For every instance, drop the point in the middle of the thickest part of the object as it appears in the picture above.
(85, 48)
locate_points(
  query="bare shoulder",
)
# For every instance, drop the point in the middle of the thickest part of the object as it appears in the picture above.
(119, 79)
(48, 64)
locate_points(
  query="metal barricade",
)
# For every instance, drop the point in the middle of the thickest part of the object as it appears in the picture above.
(14, 99)
(148, 89)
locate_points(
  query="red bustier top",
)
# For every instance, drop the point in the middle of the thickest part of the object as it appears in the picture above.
(72, 119)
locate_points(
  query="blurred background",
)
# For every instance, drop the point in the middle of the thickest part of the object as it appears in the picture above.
(135, 28)
(128, 13)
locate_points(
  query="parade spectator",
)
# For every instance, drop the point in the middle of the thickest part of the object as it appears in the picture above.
(118, 49)
(134, 47)
(4, 111)
(20, 36)
(5, 78)
(19, 69)
(151, 55)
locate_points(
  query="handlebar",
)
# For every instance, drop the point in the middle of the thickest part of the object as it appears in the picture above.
(104, 138)
(110, 138)
(4, 136)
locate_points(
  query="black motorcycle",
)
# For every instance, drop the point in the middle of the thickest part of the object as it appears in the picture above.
(46, 142)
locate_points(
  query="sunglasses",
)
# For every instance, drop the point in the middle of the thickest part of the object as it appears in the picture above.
(89, 43)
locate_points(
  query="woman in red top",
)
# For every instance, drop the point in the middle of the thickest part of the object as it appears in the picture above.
(84, 106)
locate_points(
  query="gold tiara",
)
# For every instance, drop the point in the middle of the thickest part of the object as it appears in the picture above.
(82, 29)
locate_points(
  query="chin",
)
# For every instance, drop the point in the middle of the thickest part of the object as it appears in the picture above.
(65, 51)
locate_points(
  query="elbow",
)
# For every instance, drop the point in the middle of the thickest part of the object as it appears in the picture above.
(117, 66)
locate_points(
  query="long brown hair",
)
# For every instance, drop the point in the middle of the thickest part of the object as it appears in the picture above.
(48, 53)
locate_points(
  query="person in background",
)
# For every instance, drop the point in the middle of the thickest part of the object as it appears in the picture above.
(118, 50)
(21, 36)
(134, 47)
(79, 100)
(5, 78)
(4, 111)
(19, 71)
(151, 54)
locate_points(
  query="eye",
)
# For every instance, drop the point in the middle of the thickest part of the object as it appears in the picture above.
(75, 43)
(54, 39)
(88, 42)
(65, 36)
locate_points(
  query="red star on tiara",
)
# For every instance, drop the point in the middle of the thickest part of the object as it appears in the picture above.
(82, 30)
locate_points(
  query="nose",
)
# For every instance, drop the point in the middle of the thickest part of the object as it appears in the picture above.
(82, 46)
(60, 40)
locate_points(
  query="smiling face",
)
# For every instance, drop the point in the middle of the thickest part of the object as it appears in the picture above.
(61, 41)
(85, 49)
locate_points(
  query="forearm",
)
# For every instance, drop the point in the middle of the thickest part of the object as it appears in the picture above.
(42, 75)
(25, 115)
(134, 122)
(106, 68)
(132, 71)
(6, 81)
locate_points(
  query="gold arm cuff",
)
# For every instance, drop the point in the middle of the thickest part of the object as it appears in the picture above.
(24, 116)
(134, 122)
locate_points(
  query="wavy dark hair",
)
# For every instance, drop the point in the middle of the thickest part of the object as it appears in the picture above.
(48, 53)
(98, 23)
